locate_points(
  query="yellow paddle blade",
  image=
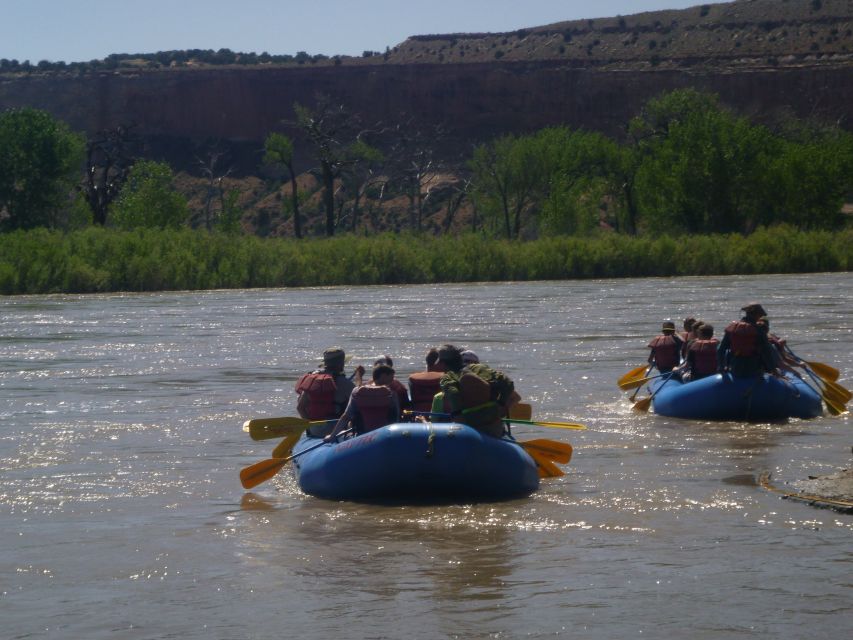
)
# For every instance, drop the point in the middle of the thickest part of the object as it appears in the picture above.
(267, 428)
(638, 372)
(643, 404)
(285, 447)
(556, 451)
(824, 370)
(521, 411)
(833, 407)
(838, 392)
(635, 384)
(255, 474)
(544, 467)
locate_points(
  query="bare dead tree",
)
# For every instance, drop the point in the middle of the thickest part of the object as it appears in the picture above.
(109, 156)
(209, 168)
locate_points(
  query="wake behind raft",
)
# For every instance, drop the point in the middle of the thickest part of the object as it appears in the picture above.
(725, 397)
(415, 461)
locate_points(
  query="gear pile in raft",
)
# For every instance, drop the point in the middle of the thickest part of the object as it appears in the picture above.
(750, 374)
(445, 437)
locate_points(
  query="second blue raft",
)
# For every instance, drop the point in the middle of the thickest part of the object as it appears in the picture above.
(724, 397)
(416, 461)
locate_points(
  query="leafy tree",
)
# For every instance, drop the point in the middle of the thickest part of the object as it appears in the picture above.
(39, 160)
(507, 174)
(149, 199)
(279, 151)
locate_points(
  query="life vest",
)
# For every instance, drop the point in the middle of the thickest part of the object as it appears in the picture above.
(704, 357)
(665, 350)
(423, 386)
(374, 407)
(320, 388)
(743, 339)
(481, 409)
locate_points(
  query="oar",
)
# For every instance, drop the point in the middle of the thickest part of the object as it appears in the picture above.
(267, 428)
(636, 384)
(832, 406)
(521, 410)
(285, 447)
(633, 374)
(255, 474)
(643, 404)
(553, 450)
(824, 371)
(545, 468)
(552, 425)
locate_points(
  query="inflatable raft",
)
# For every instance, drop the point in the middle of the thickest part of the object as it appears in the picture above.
(415, 461)
(724, 397)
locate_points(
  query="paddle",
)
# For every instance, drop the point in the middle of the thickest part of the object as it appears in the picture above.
(267, 428)
(551, 425)
(521, 410)
(832, 406)
(644, 403)
(638, 372)
(545, 468)
(824, 371)
(551, 449)
(285, 447)
(255, 474)
(636, 384)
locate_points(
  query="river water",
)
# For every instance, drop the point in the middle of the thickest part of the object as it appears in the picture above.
(122, 516)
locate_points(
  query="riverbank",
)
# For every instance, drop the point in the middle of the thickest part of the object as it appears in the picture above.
(104, 260)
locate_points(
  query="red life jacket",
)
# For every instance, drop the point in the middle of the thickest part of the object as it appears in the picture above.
(743, 339)
(704, 357)
(374, 406)
(665, 349)
(320, 388)
(423, 385)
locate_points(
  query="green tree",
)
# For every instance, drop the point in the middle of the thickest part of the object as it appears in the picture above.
(149, 199)
(279, 152)
(40, 160)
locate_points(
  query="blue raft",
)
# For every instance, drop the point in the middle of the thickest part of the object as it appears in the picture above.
(416, 461)
(724, 397)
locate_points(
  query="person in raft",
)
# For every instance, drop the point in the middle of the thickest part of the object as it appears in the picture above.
(423, 385)
(701, 360)
(476, 395)
(370, 406)
(396, 386)
(745, 350)
(665, 349)
(323, 394)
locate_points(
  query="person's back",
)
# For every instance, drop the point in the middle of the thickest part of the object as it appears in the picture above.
(744, 349)
(423, 385)
(323, 394)
(371, 406)
(665, 349)
(702, 354)
(476, 395)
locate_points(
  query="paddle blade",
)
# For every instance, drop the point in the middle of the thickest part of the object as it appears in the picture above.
(560, 452)
(639, 372)
(634, 384)
(838, 392)
(255, 474)
(544, 467)
(267, 428)
(521, 411)
(824, 370)
(833, 407)
(285, 447)
(643, 404)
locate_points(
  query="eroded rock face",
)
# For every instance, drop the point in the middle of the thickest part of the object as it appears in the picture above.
(175, 109)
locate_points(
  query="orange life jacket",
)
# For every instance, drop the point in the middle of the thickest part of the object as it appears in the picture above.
(320, 388)
(423, 385)
(374, 407)
(665, 349)
(743, 339)
(704, 357)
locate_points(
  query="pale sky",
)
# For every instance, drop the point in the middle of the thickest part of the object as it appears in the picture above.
(83, 30)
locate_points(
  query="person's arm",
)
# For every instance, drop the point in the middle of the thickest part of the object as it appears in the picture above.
(343, 421)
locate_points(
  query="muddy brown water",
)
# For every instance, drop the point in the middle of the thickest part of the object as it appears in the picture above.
(121, 513)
